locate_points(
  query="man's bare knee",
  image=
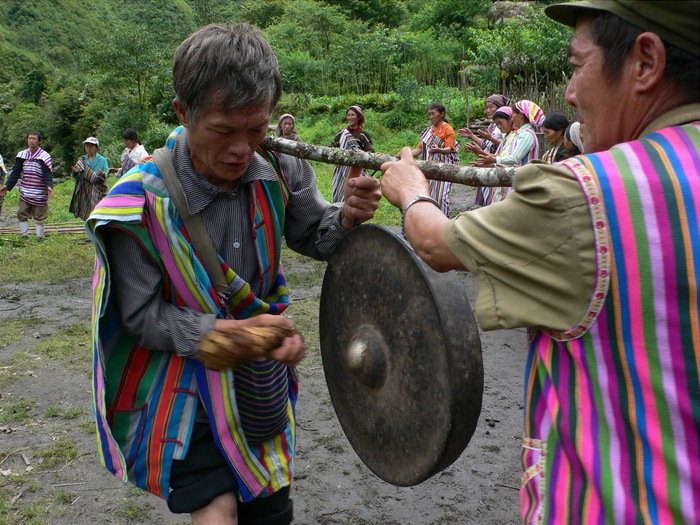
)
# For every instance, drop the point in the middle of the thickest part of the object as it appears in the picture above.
(223, 510)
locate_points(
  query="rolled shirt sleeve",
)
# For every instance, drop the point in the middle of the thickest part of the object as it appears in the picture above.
(533, 254)
(312, 224)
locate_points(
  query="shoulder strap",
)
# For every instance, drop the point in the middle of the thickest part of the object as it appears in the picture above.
(199, 235)
(273, 160)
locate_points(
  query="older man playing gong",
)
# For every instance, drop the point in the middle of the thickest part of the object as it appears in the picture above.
(194, 378)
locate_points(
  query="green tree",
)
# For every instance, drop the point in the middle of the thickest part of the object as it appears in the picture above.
(263, 13)
(450, 19)
(132, 60)
(390, 13)
(510, 57)
(34, 86)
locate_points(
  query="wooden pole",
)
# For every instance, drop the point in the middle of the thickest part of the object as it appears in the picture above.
(466, 175)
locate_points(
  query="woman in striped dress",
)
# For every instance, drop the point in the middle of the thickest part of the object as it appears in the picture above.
(90, 174)
(439, 143)
(352, 137)
(486, 140)
(287, 128)
(504, 120)
(527, 116)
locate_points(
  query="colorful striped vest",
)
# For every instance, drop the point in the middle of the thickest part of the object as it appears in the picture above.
(32, 188)
(613, 405)
(145, 401)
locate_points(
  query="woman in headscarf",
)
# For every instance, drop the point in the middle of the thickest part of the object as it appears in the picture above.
(526, 116)
(553, 128)
(90, 174)
(352, 137)
(525, 146)
(573, 140)
(485, 140)
(438, 142)
(488, 139)
(132, 154)
(503, 118)
(287, 128)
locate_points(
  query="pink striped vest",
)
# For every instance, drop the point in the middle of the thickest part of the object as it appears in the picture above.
(613, 405)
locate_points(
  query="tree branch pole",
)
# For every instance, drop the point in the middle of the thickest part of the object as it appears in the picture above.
(466, 175)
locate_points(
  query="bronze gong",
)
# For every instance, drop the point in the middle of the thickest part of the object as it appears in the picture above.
(401, 355)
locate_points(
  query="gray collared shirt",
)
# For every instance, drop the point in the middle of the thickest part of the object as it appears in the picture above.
(312, 228)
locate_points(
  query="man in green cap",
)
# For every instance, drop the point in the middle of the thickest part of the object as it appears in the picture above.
(599, 256)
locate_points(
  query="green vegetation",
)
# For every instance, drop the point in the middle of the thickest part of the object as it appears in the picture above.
(58, 412)
(12, 331)
(70, 347)
(73, 69)
(135, 510)
(58, 258)
(12, 368)
(61, 451)
(16, 411)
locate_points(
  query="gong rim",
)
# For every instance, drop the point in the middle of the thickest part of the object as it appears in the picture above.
(403, 366)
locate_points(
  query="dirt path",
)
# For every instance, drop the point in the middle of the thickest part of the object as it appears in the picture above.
(332, 485)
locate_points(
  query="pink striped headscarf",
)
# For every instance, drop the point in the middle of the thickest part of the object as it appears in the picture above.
(532, 111)
(505, 109)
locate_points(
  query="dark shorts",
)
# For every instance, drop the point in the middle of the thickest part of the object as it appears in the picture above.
(27, 211)
(204, 474)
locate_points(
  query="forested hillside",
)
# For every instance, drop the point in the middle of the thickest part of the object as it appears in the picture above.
(73, 68)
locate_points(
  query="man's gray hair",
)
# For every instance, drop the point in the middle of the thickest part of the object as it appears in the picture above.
(225, 67)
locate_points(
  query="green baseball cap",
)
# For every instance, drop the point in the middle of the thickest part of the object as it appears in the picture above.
(675, 21)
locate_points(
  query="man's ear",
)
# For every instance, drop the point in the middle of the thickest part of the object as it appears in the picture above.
(180, 112)
(649, 54)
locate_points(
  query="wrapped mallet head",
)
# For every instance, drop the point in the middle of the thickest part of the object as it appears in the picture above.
(222, 349)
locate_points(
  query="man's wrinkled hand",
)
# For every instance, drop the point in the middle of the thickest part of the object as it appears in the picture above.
(235, 342)
(403, 180)
(362, 195)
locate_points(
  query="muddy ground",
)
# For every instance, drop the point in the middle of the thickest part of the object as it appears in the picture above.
(332, 484)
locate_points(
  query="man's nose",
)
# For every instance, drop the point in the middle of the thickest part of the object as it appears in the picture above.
(237, 146)
(570, 96)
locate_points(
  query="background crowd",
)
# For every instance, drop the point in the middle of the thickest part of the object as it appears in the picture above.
(511, 138)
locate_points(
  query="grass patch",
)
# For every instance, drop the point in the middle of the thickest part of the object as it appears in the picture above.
(62, 450)
(71, 347)
(63, 497)
(13, 330)
(87, 426)
(16, 411)
(13, 368)
(58, 258)
(136, 510)
(33, 514)
(58, 412)
(34, 486)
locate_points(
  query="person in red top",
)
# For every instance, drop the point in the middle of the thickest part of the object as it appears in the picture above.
(438, 142)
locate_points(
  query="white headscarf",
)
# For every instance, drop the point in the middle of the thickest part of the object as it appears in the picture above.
(575, 134)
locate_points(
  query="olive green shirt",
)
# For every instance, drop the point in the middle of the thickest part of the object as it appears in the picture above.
(533, 254)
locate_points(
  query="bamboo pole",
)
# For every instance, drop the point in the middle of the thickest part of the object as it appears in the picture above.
(466, 175)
